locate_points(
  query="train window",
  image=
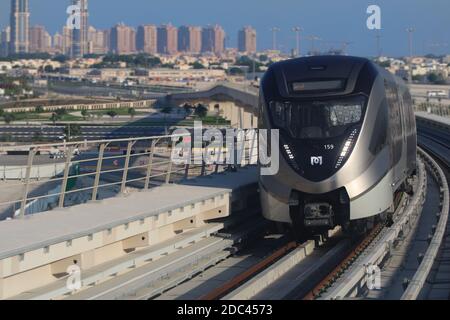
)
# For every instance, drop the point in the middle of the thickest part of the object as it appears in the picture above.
(318, 119)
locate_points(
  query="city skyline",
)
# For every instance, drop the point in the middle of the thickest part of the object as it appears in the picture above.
(333, 30)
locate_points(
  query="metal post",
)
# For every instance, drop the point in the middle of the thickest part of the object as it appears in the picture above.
(66, 176)
(150, 164)
(186, 171)
(127, 164)
(23, 204)
(98, 171)
(218, 159)
(169, 168)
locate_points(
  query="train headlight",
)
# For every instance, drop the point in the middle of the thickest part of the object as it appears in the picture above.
(291, 156)
(347, 147)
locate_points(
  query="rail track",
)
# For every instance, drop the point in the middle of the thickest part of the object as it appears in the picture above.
(332, 267)
(339, 269)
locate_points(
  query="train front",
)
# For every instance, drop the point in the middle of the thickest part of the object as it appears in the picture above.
(327, 174)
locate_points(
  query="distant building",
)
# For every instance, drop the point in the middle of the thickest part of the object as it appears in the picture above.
(190, 39)
(40, 40)
(97, 43)
(146, 39)
(247, 40)
(57, 43)
(183, 75)
(107, 39)
(213, 39)
(5, 38)
(67, 41)
(167, 39)
(80, 36)
(123, 39)
(19, 23)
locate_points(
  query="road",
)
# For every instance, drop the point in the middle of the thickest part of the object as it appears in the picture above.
(87, 132)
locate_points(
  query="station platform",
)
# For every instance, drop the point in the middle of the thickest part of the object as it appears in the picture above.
(35, 250)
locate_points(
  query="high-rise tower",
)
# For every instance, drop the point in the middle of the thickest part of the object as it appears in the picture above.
(19, 22)
(80, 35)
(247, 40)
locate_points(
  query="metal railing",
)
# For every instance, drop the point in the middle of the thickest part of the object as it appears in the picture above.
(94, 170)
(433, 108)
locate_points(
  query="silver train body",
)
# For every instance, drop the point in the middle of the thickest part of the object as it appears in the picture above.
(347, 140)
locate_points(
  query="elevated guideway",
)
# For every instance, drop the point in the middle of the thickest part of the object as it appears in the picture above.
(37, 250)
(119, 233)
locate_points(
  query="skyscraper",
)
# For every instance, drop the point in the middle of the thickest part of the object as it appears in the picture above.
(146, 39)
(19, 22)
(190, 39)
(5, 38)
(247, 40)
(167, 39)
(80, 36)
(213, 39)
(123, 39)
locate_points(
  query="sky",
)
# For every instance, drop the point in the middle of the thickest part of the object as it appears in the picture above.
(332, 21)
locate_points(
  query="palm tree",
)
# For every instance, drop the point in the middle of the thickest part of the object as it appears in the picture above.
(84, 113)
(166, 110)
(132, 112)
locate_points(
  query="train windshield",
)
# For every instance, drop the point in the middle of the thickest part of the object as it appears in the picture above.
(318, 119)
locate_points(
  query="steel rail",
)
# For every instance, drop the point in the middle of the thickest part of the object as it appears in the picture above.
(417, 283)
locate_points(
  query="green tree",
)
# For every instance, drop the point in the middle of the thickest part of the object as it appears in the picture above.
(132, 112)
(263, 58)
(55, 117)
(61, 112)
(112, 114)
(39, 109)
(188, 108)
(72, 131)
(49, 69)
(84, 113)
(198, 65)
(235, 71)
(9, 117)
(201, 110)
(436, 78)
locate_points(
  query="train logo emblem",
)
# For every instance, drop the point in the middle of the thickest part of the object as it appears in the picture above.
(316, 161)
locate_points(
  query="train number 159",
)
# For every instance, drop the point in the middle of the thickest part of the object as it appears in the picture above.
(328, 146)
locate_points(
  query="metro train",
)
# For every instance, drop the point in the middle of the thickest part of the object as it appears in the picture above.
(347, 144)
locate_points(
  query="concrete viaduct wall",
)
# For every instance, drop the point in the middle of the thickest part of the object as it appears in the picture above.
(236, 104)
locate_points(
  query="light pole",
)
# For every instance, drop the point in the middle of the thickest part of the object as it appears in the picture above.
(254, 58)
(274, 37)
(378, 37)
(410, 40)
(297, 31)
